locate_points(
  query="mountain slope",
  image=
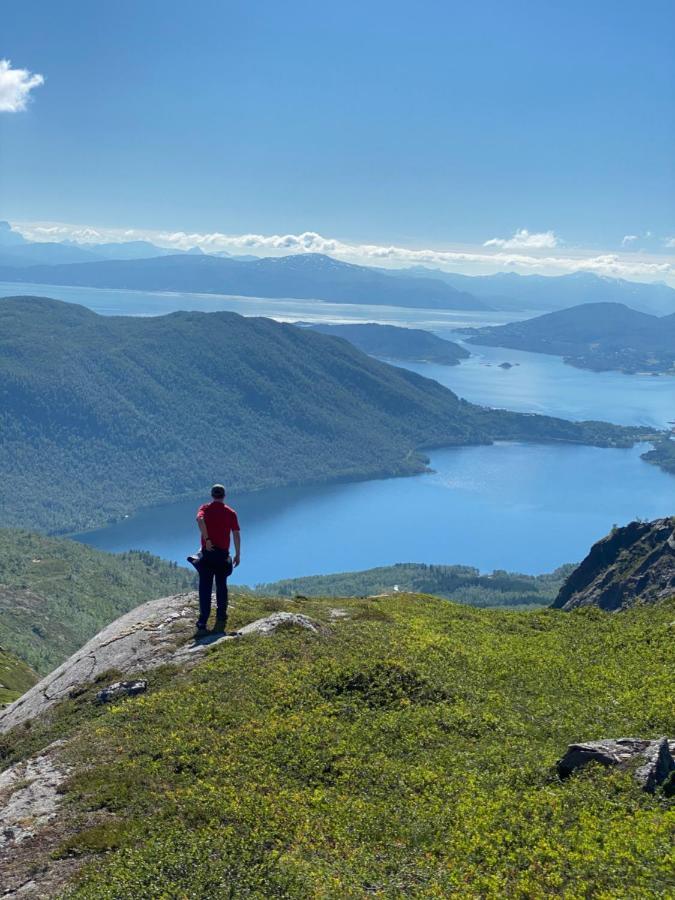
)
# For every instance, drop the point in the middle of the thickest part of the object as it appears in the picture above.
(509, 290)
(593, 336)
(633, 564)
(304, 276)
(55, 594)
(405, 748)
(101, 415)
(392, 342)
(15, 677)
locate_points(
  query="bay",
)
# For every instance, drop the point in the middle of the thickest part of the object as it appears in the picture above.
(522, 507)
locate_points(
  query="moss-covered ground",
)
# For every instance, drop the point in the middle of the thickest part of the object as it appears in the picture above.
(408, 751)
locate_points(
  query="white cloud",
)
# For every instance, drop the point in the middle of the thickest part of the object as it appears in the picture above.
(525, 240)
(15, 86)
(471, 261)
(670, 242)
(629, 239)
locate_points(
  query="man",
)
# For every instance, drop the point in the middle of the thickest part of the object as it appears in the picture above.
(216, 522)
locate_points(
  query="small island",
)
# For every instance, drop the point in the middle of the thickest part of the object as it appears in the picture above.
(597, 336)
(397, 343)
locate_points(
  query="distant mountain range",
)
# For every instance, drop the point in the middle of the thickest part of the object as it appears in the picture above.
(392, 342)
(310, 276)
(102, 415)
(315, 276)
(15, 250)
(598, 336)
(509, 290)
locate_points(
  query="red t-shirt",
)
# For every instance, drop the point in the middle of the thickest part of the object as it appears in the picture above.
(220, 520)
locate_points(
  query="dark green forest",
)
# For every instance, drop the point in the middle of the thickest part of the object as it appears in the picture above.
(394, 342)
(463, 584)
(103, 415)
(55, 594)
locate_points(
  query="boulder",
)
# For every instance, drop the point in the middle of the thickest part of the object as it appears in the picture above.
(655, 758)
(121, 689)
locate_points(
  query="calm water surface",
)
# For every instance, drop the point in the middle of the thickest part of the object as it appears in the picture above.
(514, 506)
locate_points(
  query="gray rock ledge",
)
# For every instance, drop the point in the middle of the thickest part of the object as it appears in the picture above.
(655, 758)
(157, 633)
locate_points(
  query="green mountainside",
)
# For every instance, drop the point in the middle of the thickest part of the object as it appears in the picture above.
(597, 336)
(463, 584)
(663, 454)
(15, 677)
(102, 415)
(393, 342)
(407, 749)
(55, 593)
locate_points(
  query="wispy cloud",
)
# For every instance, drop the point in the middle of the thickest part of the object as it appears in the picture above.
(629, 239)
(469, 260)
(670, 242)
(523, 239)
(15, 86)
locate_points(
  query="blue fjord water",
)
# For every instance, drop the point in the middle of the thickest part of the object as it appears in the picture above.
(515, 506)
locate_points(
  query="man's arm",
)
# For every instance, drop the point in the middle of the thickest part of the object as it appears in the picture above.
(204, 533)
(237, 548)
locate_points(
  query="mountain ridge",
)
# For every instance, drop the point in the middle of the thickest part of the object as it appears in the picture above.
(310, 276)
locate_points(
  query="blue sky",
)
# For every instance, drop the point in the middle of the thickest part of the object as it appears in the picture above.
(420, 125)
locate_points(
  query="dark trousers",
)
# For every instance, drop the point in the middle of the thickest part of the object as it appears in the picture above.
(207, 574)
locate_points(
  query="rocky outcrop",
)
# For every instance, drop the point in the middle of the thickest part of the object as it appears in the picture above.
(121, 689)
(632, 564)
(157, 633)
(653, 759)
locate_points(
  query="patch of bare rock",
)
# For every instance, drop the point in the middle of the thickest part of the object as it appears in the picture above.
(652, 760)
(154, 634)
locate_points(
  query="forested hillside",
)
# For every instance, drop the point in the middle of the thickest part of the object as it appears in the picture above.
(463, 584)
(55, 593)
(102, 415)
(593, 336)
(392, 342)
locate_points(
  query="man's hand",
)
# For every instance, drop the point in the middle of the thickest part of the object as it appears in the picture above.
(236, 560)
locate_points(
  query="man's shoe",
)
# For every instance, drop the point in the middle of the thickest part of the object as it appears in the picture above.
(201, 631)
(219, 627)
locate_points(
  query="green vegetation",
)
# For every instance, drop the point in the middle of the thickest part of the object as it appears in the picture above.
(55, 594)
(463, 584)
(407, 752)
(663, 454)
(104, 415)
(596, 336)
(15, 677)
(393, 342)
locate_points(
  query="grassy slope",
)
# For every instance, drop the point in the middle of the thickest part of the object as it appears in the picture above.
(55, 594)
(464, 584)
(408, 753)
(15, 677)
(109, 414)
